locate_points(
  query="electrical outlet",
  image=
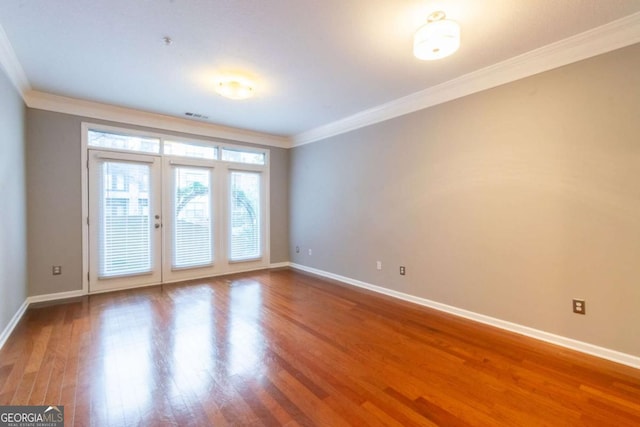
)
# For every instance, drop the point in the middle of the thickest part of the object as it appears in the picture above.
(297, 249)
(310, 252)
(378, 265)
(579, 306)
(56, 270)
(403, 271)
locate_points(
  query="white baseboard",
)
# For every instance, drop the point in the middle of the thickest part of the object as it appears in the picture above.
(594, 350)
(32, 300)
(55, 297)
(73, 294)
(280, 264)
(13, 323)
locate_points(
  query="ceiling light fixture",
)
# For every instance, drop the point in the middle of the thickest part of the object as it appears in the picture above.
(438, 38)
(235, 88)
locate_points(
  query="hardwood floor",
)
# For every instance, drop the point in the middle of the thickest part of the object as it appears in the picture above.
(283, 348)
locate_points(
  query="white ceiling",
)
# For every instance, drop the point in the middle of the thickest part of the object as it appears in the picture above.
(314, 61)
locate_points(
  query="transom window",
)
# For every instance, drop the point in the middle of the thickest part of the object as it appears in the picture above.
(123, 142)
(161, 145)
(190, 149)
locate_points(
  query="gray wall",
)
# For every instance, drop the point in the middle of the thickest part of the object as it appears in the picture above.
(13, 232)
(509, 202)
(55, 200)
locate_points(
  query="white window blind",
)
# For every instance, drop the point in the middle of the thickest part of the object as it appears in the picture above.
(125, 221)
(192, 231)
(244, 204)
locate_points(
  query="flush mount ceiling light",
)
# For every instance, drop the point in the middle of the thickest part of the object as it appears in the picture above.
(235, 88)
(438, 38)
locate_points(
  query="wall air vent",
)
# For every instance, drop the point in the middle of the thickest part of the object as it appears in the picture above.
(196, 116)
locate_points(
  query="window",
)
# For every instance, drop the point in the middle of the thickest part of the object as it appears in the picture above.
(242, 156)
(187, 149)
(123, 142)
(124, 238)
(192, 217)
(116, 206)
(143, 206)
(244, 214)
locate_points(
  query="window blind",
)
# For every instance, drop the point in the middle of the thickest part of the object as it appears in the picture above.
(125, 221)
(245, 216)
(192, 231)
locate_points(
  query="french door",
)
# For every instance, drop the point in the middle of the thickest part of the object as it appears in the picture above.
(192, 228)
(125, 223)
(157, 219)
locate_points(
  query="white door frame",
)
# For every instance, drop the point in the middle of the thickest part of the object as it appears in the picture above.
(96, 187)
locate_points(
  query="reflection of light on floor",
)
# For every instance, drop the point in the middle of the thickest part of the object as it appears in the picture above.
(127, 358)
(193, 345)
(245, 337)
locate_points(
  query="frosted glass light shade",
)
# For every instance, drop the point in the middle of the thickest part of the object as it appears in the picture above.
(234, 89)
(436, 39)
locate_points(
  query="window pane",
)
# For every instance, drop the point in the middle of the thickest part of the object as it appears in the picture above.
(123, 142)
(192, 238)
(124, 230)
(186, 149)
(240, 156)
(245, 216)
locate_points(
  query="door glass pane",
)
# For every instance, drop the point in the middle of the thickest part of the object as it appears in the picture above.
(245, 216)
(192, 239)
(125, 225)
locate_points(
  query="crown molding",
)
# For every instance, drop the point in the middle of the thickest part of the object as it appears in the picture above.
(96, 110)
(45, 101)
(603, 39)
(614, 35)
(9, 62)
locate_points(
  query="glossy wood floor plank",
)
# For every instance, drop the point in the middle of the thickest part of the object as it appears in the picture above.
(284, 348)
